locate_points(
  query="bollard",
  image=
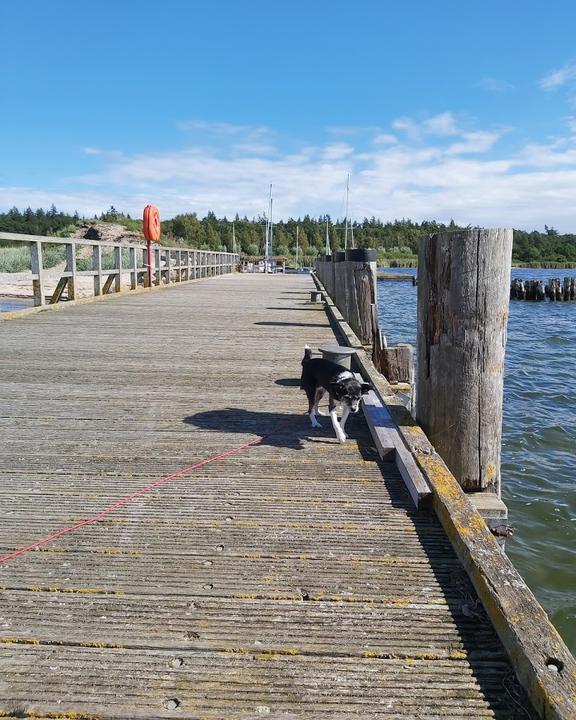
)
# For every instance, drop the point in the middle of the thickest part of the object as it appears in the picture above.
(339, 354)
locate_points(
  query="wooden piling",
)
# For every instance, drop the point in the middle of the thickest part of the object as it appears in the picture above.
(397, 364)
(365, 299)
(463, 293)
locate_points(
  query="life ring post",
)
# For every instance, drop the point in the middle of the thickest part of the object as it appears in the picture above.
(149, 262)
(151, 227)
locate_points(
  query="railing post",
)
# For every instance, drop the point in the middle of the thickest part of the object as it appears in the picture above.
(37, 272)
(118, 268)
(97, 267)
(133, 269)
(71, 268)
(463, 292)
(168, 260)
(157, 269)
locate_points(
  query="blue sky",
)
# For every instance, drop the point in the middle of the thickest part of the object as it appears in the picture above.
(438, 110)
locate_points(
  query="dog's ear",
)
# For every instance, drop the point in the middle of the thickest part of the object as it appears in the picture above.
(365, 387)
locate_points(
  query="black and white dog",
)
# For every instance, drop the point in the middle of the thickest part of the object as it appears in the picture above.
(320, 376)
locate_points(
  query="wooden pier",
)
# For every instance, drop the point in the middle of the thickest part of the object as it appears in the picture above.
(293, 579)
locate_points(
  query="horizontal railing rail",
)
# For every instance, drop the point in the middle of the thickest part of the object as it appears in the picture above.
(169, 265)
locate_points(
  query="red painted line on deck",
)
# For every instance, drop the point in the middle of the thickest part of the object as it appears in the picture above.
(142, 491)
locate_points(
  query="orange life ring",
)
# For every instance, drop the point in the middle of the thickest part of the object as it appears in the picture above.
(151, 223)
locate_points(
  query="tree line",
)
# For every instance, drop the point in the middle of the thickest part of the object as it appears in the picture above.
(394, 239)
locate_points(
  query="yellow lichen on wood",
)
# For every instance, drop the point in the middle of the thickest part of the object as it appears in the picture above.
(19, 641)
(270, 654)
(458, 655)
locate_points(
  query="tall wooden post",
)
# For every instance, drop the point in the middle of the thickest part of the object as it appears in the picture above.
(71, 268)
(37, 266)
(339, 295)
(463, 293)
(97, 267)
(360, 270)
(118, 267)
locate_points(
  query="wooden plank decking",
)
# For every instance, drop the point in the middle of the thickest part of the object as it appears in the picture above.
(291, 580)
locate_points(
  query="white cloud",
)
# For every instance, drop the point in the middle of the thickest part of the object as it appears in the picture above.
(337, 151)
(571, 123)
(254, 148)
(409, 127)
(495, 85)
(438, 170)
(474, 142)
(557, 78)
(384, 139)
(224, 128)
(443, 124)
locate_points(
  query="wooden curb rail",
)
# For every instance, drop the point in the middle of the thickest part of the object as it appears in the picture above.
(542, 662)
(391, 447)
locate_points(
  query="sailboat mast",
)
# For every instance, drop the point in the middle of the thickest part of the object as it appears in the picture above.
(346, 218)
(327, 249)
(268, 240)
(270, 250)
(297, 229)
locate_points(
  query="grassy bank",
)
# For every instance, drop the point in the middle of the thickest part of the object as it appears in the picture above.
(16, 258)
(543, 264)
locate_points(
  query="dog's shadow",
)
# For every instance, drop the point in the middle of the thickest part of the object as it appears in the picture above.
(277, 429)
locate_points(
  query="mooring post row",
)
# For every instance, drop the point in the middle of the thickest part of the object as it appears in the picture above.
(351, 281)
(542, 662)
(168, 269)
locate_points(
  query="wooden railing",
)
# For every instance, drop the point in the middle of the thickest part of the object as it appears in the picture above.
(170, 265)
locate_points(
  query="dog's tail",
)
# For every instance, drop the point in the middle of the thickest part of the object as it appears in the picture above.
(305, 359)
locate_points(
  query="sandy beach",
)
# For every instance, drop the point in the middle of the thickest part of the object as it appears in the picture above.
(19, 285)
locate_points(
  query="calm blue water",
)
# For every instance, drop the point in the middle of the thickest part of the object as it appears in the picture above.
(8, 304)
(539, 436)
